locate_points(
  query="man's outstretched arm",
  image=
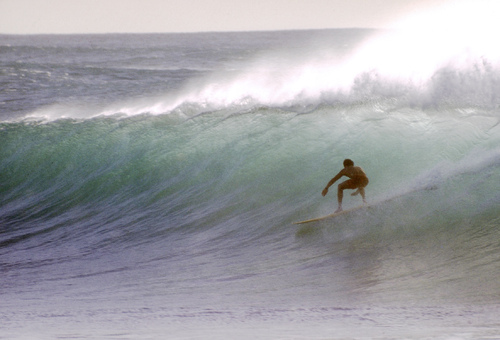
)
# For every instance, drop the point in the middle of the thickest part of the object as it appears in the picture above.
(333, 180)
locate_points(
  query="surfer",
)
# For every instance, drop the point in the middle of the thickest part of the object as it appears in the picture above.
(357, 180)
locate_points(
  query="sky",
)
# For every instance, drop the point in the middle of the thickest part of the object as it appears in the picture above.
(151, 16)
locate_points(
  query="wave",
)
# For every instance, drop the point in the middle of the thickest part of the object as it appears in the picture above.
(306, 85)
(423, 67)
(253, 144)
(217, 193)
(268, 155)
(226, 160)
(182, 202)
(420, 68)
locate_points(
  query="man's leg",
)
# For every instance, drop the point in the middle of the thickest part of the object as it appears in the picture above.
(362, 192)
(340, 192)
(340, 196)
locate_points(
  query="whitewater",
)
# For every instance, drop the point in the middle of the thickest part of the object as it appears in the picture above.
(148, 186)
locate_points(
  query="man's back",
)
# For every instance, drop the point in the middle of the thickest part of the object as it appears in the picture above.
(353, 172)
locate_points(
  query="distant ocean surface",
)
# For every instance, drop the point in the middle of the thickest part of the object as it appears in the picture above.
(148, 186)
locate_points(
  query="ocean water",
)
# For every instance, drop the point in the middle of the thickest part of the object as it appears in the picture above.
(148, 186)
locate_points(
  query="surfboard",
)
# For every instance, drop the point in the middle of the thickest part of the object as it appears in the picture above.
(372, 204)
(332, 215)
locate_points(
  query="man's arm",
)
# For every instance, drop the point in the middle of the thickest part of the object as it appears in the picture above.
(333, 180)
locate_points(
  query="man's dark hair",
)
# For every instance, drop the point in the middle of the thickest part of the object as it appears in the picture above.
(348, 162)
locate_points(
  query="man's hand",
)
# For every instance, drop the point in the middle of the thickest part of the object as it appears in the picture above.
(325, 191)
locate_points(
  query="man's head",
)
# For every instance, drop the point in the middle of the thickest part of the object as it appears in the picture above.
(348, 162)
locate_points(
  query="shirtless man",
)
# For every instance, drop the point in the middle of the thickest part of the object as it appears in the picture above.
(357, 180)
